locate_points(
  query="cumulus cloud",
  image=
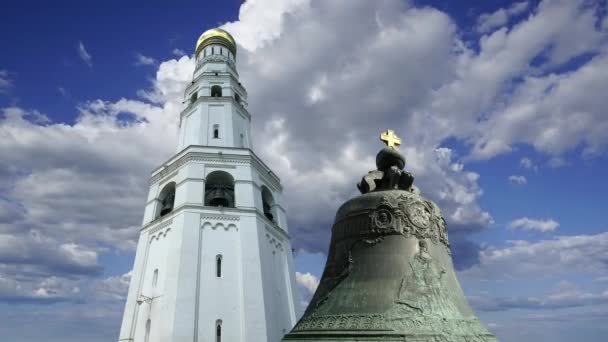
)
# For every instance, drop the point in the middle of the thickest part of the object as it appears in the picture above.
(568, 297)
(84, 55)
(518, 179)
(144, 60)
(178, 52)
(523, 93)
(113, 288)
(541, 225)
(308, 283)
(488, 21)
(562, 255)
(73, 192)
(346, 101)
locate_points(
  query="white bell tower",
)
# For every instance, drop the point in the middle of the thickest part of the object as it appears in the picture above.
(214, 260)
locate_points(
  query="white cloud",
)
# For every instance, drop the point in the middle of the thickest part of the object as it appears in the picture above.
(84, 55)
(178, 52)
(518, 180)
(144, 60)
(342, 90)
(95, 183)
(560, 256)
(258, 25)
(560, 299)
(113, 288)
(308, 281)
(523, 94)
(5, 82)
(488, 21)
(527, 163)
(542, 225)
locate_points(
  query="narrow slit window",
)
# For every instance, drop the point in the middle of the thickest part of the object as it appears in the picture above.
(218, 266)
(155, 278)
(212, 50)
(218, 331)
(148, 326)
(216, 131)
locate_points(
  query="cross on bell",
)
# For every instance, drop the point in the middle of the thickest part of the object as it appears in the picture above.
(390, 138)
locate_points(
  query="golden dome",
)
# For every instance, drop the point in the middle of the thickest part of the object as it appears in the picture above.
(216, 36)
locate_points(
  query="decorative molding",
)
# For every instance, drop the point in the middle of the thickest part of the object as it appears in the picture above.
(188, 157)
(219, 224)
(220, 217)
(161, 225)
(215, 59)
(166, 179)
(267, 176)
(221, 166)
(274, 241)
(159, 235)
(226, 227)
(401, 212)
(418, 328)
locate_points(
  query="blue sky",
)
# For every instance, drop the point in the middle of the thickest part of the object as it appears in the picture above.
(500, 105)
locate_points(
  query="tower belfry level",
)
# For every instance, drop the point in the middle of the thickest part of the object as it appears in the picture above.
(213, 261)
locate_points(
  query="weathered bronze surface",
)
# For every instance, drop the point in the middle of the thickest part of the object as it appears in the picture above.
(389, 274)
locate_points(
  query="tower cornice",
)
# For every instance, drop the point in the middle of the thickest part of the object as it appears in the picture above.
(231, 155)
(236, 84)
(212, 99)
(228, 214)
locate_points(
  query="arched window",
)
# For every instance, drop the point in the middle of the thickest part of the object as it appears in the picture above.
(218, 265)
(216, 91)
(167, 199)
(218, 330)
(193, 97)
(216, 131)
(155, 278)
(219, 189)
(267, 203)
(221, 51)
(148, 326)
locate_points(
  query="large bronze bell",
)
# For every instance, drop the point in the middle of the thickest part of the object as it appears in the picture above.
(167, 204)
(219, 195)
(389, 274)
(267, 211)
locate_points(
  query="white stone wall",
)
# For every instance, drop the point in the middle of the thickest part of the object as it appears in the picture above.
(256, 296)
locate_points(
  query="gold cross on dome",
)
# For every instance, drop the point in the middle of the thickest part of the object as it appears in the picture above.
(390, 138)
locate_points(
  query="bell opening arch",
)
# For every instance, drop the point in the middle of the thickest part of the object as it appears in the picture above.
(219, 189)
(268, 204)
(166, 200)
